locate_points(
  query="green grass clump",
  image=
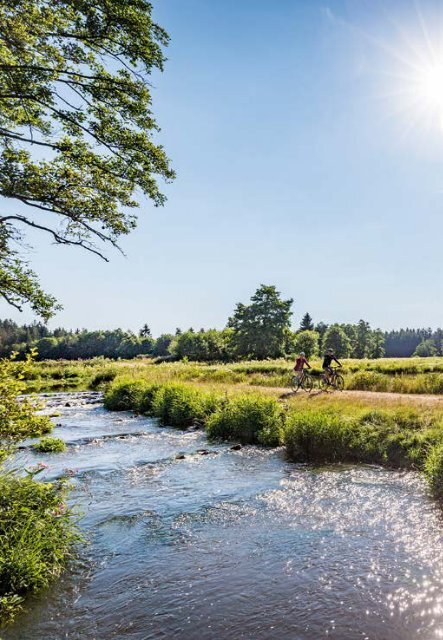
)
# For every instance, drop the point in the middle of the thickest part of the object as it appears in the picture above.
(102, 378)
(178, 405)
(434, 469)
(36, 534)
(248, 418)
(50, 445)
(398, 437)
(126, 394)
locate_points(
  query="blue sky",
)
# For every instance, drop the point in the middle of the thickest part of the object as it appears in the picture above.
(302, 162)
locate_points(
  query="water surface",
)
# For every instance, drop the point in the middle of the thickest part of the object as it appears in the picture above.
(222, 544)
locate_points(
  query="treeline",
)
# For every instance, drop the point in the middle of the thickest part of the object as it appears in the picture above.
(258, 330)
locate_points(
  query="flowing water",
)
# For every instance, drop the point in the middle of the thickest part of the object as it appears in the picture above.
(230, 544)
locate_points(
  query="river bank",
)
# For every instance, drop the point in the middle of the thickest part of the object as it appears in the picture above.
(324, 428)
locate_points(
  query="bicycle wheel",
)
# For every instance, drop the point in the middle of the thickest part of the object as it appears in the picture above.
(323, 384)
(307, 384)
(295, 384)
(339, 382)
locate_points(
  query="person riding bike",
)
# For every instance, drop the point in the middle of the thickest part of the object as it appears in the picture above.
(328, 359)
(299, 366)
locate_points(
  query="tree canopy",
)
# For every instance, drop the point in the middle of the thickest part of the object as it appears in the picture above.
(260, 329)
(77, 132)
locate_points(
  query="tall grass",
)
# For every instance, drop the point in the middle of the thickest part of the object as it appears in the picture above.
(37, 535)
(323, 430)
(407, 375)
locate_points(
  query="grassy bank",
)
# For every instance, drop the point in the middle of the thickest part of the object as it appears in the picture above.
(324, 429)
(37, 538)
(36, 530)
(407, 375)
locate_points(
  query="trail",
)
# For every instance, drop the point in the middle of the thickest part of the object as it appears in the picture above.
(376, 396)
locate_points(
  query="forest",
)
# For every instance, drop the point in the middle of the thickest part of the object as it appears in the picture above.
(259, 330)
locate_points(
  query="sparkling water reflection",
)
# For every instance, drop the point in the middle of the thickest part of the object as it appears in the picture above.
(234, 544)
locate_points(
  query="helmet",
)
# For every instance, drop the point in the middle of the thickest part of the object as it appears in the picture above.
(302, 353)
(330, 350)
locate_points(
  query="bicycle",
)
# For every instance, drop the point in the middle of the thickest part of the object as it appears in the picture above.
(335, 380)
(303, 381)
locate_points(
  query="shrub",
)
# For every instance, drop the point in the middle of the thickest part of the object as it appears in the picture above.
(248, 418)
(50, 445)
(125, 395)
(315, 434)
(18, 419)
(179, 405)
(37, 535)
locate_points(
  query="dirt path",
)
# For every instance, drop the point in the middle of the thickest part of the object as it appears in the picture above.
(387, 397)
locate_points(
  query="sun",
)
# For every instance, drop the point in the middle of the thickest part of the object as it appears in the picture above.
(428, 89)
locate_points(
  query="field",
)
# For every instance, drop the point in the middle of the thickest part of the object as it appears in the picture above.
(406, 375)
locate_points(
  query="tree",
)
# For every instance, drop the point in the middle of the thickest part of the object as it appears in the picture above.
(363, 343)
(306, 323)
(145, 331)
(377, 344)
(307, 341)
(335, 338)
(260, 328)
(426, 349)
(76, 128)
(161, 347)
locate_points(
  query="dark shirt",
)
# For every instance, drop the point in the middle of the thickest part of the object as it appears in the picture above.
(327, 360)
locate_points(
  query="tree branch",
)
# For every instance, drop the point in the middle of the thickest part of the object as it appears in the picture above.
(58, 238)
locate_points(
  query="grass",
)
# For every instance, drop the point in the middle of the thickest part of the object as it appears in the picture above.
(37, 535)
(399, 375)
(50, 445)
(327, 428)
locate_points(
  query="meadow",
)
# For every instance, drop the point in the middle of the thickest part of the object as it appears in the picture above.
(397, 375)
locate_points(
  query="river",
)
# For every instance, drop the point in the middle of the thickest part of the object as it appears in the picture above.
(191, 540)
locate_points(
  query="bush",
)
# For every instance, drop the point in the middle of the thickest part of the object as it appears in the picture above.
(36, 535)
(399, 438)
(248, 418)
(178, 405)
(50, 445)
(125, 395)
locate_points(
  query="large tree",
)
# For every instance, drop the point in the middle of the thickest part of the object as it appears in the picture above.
(77, 133)
(260, 328)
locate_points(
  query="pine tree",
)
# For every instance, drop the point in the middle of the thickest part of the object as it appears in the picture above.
(306, 323)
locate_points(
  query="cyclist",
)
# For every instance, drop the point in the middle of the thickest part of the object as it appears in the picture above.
(327, 361)
(299, 366)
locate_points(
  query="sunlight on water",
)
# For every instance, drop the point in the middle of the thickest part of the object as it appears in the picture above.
(193, 540)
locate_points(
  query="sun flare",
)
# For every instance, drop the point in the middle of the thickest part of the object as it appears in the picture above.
(428, 89)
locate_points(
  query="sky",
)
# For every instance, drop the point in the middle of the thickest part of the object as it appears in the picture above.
(307, 137)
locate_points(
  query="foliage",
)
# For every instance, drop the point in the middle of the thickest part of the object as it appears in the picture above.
(335, 338)
(306, 323)
(37, 535)
(211, 345)
(260, 328)
(74, 85)
(307, 341)
(426, 349)
(50, 445)
(250, 419)
(434, 469)
(398, 437)
(17, 416)
(178, 405)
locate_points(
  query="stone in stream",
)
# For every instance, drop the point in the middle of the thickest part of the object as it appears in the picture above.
(67, 404)
(236, 447)
(180, 456)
